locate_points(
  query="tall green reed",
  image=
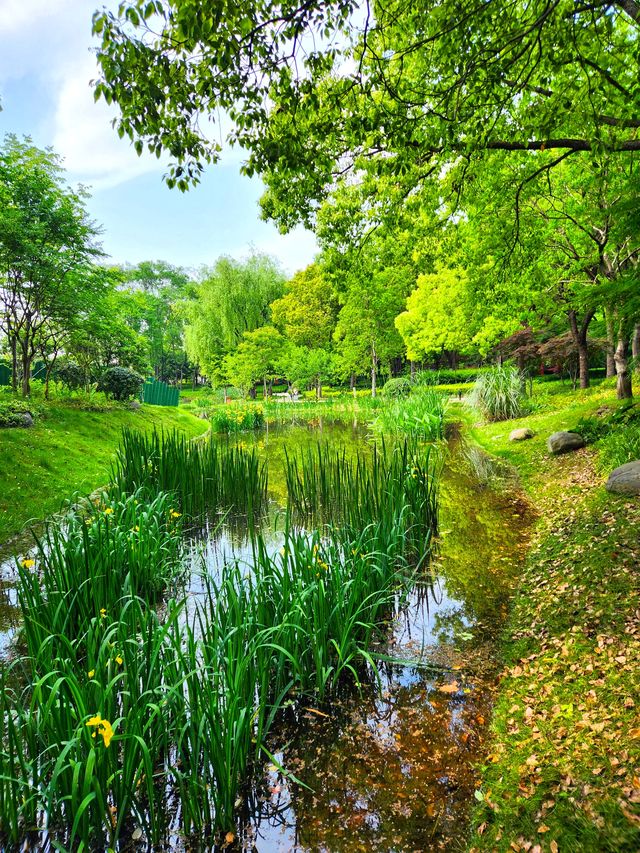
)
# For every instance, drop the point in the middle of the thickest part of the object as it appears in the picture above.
(203, 475)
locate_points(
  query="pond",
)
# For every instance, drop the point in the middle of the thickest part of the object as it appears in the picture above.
(392, 767)
(388, 766)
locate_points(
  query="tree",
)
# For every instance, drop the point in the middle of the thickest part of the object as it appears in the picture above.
(232, 298)
(47, 249)
(423, 83)
(437, 319)
(255, 359)
(308, 311)
(160, 289)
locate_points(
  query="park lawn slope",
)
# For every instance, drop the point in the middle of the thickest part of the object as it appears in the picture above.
(68, 450)
(562, 773)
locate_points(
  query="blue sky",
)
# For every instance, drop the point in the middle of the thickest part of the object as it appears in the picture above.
(45, 69)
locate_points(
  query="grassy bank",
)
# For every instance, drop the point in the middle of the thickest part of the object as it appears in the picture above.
(562, 773)
(69, 449)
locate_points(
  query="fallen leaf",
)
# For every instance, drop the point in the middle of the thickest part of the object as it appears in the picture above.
(449, 688)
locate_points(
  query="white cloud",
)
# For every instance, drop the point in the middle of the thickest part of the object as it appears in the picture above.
(296, 249)
(84, 136)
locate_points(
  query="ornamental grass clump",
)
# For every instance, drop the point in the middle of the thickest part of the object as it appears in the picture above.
(499, 393)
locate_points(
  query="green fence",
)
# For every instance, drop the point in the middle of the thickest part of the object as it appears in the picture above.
(159, 393)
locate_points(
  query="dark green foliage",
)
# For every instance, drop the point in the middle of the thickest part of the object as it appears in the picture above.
(120, 383)
(71, 375)
(12, 412)
(616, 434)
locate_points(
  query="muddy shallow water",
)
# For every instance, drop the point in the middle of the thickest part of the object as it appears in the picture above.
(388, 767)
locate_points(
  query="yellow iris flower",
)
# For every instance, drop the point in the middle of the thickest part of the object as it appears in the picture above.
(102, 727)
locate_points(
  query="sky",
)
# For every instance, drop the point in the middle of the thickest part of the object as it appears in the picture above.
(46, 66)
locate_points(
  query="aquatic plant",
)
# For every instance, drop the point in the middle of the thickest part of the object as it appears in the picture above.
(230, 419)
(420, 415)
(204, 476)
(392, 482)
(120, 714)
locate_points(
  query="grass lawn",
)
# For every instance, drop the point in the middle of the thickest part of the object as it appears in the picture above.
(563, 771)
(68, 450)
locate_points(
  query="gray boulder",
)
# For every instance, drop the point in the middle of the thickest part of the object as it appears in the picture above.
(625, 480)
(564, 442)
(26, 419)
(521, 434)
(135, 405)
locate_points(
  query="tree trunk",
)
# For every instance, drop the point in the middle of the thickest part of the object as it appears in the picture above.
(318, 388)
(374, 369)
(579, 335)
(14, 365)
(413, 370)
(26, 373)
(635, 347)
(623, 385)
(352, 382)
(264, 387)
(252, 392)
(611, 343)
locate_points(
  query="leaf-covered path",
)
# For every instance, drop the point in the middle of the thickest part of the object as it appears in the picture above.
(563, 774)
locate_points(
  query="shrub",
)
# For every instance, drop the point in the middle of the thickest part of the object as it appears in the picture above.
(12, 412)
(120, 383)
(499, 393)
(71, 375)
(397, 387)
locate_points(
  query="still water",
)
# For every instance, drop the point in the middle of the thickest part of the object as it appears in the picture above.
(388, 767)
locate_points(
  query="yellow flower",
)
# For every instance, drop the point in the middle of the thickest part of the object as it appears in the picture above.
(91, 673)
(119, 660)
(108, 511)
(103, 613)
(135, 529)
(103, 727)
(27, 564)
(282, 552)
(174, 514)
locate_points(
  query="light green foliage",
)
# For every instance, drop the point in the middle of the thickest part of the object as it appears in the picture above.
(256, 358)
(307, 312)
(437, 316)
(232, 298)
(425, 82)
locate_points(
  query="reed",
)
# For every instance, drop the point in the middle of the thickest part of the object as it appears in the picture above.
(421, 415)
(204, 476)
(120, 714)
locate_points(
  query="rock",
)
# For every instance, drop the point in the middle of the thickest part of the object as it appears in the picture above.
(521, 434)
(135, 405)
(625, 480)
(26, 419)
(564, 442)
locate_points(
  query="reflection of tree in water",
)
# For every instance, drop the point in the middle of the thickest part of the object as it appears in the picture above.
(9, 612)
(397, 776)
(478, 553)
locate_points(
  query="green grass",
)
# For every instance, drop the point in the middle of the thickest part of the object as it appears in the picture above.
(69, 450)
(562, 766)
